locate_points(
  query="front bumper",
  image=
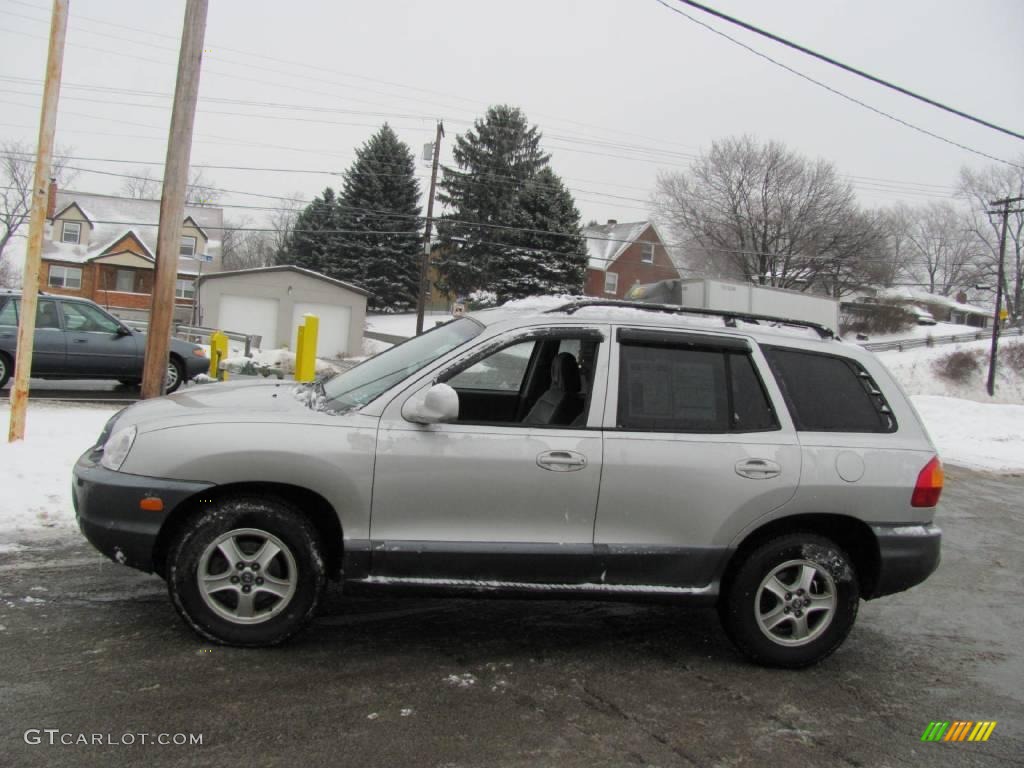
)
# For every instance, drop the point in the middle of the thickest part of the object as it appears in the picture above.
(907, 555)
(109, 515)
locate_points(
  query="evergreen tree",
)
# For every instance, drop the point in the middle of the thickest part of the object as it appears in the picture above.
(313, 241)
(538, 262)
(380, 195)
(495, 159)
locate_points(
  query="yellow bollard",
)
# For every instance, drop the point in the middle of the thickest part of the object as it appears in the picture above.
(305, 349)
(218, 352)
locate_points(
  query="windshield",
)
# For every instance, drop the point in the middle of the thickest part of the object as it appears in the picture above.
(366, 381)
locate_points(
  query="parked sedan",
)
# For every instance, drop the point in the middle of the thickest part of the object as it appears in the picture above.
(76, 339)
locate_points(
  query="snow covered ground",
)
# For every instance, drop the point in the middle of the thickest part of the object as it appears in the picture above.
(403, 324)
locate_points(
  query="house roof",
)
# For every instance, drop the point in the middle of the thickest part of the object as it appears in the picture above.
(287, 268)
(71, 205)
(908, 293)
(114, 217)
(606, 242)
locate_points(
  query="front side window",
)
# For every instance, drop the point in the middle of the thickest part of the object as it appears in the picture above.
(64, 277)
(71, 232)
(669, 388)
(827, 393)
(188, 246)
(611, 282)
(358, 386)
(501, 372)
(87, 318)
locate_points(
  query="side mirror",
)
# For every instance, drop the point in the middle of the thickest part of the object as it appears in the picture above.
(436, 404)
(123, 331)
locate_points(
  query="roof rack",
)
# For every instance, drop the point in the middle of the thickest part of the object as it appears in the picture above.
(728, 316)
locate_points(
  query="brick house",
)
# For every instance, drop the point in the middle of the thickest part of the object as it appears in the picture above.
(103, 248)
(622, 255)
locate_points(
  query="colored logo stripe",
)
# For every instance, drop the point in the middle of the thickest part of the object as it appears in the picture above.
(958, 730)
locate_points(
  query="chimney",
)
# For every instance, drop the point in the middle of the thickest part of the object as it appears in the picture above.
(612, 222)
(51, 199)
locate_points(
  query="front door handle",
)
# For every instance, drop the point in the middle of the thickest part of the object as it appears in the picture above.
(81, 341)
(561, 461)
(758, 469)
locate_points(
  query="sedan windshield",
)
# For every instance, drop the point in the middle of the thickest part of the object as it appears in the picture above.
(366, 381)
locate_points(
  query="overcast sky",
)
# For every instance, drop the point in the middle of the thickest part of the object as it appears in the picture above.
(620, 88)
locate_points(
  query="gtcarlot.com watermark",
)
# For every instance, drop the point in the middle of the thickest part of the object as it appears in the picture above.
(57, 737)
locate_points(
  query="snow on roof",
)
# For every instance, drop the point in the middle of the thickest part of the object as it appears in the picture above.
(114, 217)
(606, 242)
(917, 294)
(289, 268)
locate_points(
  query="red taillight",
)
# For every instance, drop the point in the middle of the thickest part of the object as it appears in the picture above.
(929, 485)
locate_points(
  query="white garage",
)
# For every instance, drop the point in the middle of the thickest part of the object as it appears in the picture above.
(272, 301)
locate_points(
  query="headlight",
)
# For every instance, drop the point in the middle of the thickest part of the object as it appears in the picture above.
(117, 446)
(199, 352)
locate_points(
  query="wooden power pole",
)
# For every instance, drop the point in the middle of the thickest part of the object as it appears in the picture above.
(172, 202)
(421, 302)
(37, 220)
(997, 316)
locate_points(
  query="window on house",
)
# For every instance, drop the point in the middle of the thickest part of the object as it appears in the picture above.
(188, 246)
(185, 289)
(64, 277)
(611, 282)
(826, 393)
(71, 232)
(125, 281)
(647, 253)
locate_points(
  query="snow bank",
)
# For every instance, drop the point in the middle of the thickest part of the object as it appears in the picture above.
(976, 435)
(37, 470)
(914, 370)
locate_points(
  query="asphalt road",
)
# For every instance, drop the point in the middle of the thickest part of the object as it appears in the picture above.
(88, 647)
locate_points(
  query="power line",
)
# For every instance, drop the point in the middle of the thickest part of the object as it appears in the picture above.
(848, 68)
(837, 92)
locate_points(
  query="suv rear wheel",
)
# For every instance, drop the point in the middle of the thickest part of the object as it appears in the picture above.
(248, 572)
(792, 601)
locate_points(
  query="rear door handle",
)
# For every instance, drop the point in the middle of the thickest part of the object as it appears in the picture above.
(561, 461)
(758, 469)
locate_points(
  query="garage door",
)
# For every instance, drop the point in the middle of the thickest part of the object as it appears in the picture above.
(332, 338)
(245, 314)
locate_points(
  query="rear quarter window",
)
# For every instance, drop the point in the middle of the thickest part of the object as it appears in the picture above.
(829, 393)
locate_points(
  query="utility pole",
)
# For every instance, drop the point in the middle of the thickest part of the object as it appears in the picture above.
(37, 220)
(421, 303)
(172, 202)
(997, 316)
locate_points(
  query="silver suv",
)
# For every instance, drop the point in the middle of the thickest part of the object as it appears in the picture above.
(587, 449)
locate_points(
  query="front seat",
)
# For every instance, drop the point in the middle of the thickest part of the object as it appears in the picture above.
(562, 402)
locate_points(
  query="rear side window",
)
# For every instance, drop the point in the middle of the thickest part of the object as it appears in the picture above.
(826, 393)
(7, 314)
(665, 388)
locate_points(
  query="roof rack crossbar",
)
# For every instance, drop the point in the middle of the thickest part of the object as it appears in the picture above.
(727, 315)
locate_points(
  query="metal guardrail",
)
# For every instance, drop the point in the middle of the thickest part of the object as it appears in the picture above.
(932, 341)
(189, 332)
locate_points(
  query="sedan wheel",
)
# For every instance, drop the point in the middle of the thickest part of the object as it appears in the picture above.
(175, 375)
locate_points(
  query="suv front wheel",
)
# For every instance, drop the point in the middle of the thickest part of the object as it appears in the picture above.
(249, 572)
(791, 602)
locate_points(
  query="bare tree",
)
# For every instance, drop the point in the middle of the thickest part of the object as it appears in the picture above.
(764, 213)
(17, 166)
(141, 184)
(282, 220)
(979, 188)
(944, 252)
(244, 245)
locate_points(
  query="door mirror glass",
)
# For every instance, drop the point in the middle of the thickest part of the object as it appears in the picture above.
(123, 331)
(436, 404)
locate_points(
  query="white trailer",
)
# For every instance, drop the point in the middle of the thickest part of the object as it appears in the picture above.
(729, 296)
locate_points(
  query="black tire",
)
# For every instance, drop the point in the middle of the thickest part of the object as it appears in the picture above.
(216, 612)
(6, 368)
(175, 374)
(809, 623)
